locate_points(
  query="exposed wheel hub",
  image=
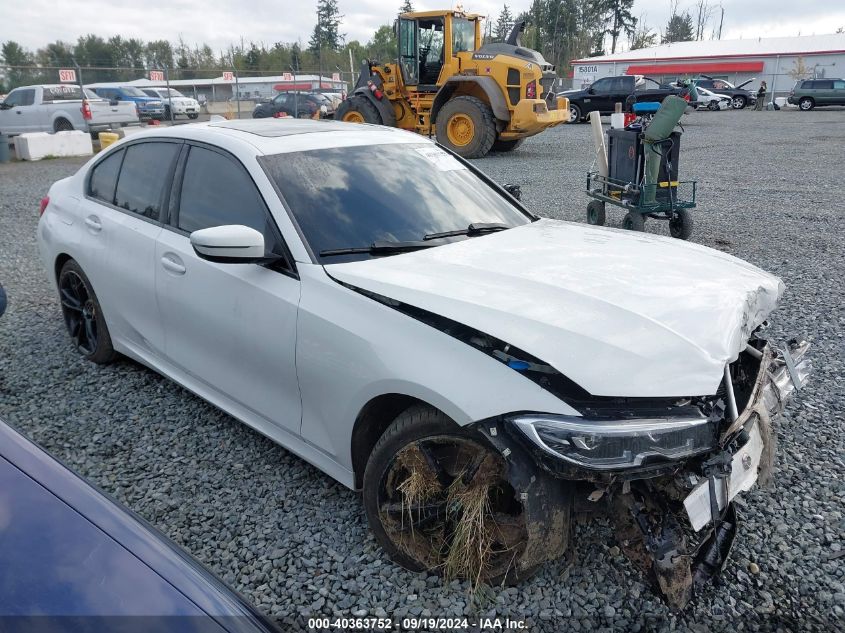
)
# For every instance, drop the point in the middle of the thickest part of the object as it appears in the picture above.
(460, 129)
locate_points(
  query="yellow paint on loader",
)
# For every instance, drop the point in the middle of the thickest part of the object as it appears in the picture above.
(472, 98)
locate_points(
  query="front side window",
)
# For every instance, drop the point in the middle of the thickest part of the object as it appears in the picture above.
(144, 173)
(602, 85)
(216, 191)
(103, 179)
(340, 197)
(463, 35)
(23, 97)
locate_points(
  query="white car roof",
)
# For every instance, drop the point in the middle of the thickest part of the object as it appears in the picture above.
(278, 136)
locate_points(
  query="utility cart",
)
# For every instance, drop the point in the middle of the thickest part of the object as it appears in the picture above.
(632, 160)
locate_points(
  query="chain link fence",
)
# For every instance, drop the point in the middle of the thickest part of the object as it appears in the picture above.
(219, 90)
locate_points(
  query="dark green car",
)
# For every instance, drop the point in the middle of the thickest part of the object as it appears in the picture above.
(810, 93)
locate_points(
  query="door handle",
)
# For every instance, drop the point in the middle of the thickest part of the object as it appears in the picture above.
(173, 264)
(93, 223)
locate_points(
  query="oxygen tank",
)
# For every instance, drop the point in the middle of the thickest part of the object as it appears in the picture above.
(665, 119)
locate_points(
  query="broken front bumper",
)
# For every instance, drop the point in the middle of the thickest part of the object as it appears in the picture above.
(674, 517)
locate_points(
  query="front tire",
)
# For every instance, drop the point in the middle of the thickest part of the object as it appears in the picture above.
(596, 213)
(739, 102)
(713, 106)
(466, 126)
(574, 113)
(680, 224)
(806, 104)
(357, 109)
(436, 494)
(83, 316)
(633, 221)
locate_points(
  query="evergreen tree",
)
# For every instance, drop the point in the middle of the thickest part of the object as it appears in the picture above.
(13, 54)
(407, 7)
(619, 20)
(679, 29)
(503, 24)
(326, 33)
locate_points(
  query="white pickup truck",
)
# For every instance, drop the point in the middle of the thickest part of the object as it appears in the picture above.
(60, 107)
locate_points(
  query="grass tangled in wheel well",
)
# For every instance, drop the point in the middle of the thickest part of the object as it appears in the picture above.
(373, 420)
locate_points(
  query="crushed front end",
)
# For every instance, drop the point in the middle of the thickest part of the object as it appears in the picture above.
(665, 472)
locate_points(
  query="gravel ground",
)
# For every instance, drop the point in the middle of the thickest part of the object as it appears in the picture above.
(296, 543)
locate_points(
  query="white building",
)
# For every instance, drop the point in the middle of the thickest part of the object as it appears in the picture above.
(249, 88)
(779, 61)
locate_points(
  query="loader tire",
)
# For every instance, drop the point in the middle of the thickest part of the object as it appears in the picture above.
(466, 126)
(357, 109)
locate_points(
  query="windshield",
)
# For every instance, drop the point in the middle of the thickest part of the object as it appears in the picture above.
(350, 197)
(132, 91)
(173, 93)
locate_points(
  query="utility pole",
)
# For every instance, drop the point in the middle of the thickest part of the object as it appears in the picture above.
(169, 96)
(237, 89)
(295, 95)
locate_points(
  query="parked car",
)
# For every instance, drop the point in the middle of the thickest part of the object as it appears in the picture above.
(740, 96)
(301, 105)
(711, 101)
(605, 93)
(72, 556)
(182, 105)
(811, 93)
(58, 108)
(382, 309)
(148, 107)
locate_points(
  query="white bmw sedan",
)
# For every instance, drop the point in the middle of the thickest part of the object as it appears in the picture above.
(381, 308)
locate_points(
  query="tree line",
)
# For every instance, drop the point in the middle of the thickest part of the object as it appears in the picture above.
(562, 30)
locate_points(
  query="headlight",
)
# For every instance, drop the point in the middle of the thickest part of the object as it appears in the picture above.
(606, 443)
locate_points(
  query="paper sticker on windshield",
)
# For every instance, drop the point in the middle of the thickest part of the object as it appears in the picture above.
(440, 159)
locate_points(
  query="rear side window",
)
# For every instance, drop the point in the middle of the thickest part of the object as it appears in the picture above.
(104, 177)
(216, 190)
(823, 85)
(839, 84)
(143, 176)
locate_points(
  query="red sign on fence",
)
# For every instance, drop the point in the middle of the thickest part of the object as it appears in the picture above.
(67, 75)
(335, 76)
(228, 76)
(287, 77)
(156, 75)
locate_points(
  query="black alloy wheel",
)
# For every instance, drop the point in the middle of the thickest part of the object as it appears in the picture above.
(83, 316)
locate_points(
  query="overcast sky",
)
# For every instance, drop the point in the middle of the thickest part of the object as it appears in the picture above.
(220, 22)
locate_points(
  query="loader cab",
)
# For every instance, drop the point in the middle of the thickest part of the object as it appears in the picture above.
(429, 43)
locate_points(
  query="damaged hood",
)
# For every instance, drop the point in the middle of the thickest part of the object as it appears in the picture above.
(621, 313)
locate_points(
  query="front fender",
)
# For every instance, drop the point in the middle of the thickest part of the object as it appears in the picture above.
(494, 93)
(351, 349)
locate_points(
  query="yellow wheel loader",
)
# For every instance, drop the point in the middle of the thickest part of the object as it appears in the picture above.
(473, 98)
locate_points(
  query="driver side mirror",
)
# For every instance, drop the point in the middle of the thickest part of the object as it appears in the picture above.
(5, 106)
(229, 244)
(591, 90)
